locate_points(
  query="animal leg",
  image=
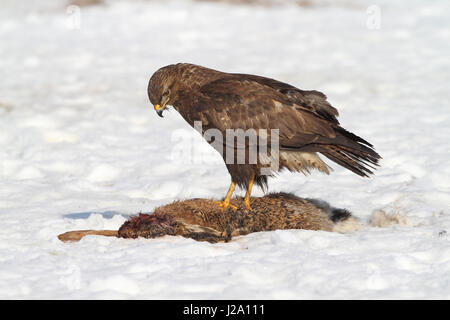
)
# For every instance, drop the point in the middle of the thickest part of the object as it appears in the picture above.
(226, 202)
(249, 192)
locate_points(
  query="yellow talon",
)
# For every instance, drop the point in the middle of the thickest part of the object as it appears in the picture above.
(224, 205)
(226, 202)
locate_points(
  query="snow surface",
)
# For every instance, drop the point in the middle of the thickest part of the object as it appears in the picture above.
(82, 148)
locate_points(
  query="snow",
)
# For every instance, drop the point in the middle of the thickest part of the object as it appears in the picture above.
(82, 148)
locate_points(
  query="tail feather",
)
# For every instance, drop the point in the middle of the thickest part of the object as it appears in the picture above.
(352, 136)
(360, 160)
(351, 151)
(346, 149)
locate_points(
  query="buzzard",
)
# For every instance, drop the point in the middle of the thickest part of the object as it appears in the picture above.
(304, 123)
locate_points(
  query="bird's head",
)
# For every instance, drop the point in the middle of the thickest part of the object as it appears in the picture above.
(162, 89)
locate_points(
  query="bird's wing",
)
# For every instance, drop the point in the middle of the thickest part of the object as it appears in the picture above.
(311, 101)
(242, 103)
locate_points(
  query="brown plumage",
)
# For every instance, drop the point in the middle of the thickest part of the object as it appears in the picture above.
(307, 123)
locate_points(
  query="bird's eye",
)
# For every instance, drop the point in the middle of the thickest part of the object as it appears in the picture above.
(166, 93)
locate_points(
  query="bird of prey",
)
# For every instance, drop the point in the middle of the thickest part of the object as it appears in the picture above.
(306, 123)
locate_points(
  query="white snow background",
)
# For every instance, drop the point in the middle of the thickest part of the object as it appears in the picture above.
(82, 148)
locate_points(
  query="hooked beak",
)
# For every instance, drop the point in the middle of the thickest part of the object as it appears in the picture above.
(159, 108)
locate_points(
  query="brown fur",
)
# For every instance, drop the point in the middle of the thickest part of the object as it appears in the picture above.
(72, 236)
(204, 220)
